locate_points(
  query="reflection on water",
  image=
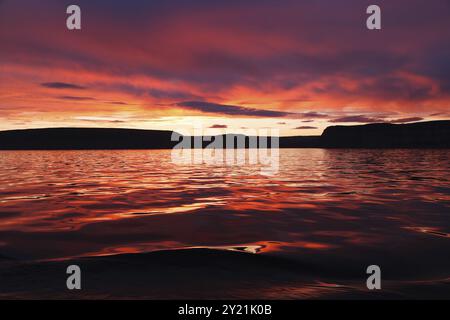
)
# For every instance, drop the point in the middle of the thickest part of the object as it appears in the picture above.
(325, 207)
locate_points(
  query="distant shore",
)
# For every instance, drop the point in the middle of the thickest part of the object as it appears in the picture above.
(431, 134)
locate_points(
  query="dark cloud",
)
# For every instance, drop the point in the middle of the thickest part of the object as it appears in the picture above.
(313, 114)
(305, 128)
(209, 107)
(168, 94)
(145, 91)
(395, 87)
(441, 114)
(281, 123)
(218, 126)
(76, 98)
(61, 85)
(435, 63)
(227, 66)
(117, 102)
(358, 118)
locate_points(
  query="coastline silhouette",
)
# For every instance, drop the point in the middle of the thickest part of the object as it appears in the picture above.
(431, 134)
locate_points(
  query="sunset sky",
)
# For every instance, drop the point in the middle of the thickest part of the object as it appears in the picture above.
(298, 66)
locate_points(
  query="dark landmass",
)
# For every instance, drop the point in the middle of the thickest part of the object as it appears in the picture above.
(84, 138)
(301, 142)
(432, 134)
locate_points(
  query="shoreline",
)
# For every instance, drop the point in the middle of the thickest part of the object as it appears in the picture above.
(419, 135)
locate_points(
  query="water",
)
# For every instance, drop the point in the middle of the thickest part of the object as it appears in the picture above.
(337, 211)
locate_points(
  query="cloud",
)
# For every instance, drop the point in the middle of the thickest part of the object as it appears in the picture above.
(168, 94)
(209, 107)
(117, 103)
(61, 85)
(396, 87)
(358, 118)
(313, 114)
(100, 119)
(76, 98)
(218, 126)
(405, 120)
(225, 52)
(305, 128)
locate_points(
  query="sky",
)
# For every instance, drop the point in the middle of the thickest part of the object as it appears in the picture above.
(297, 66)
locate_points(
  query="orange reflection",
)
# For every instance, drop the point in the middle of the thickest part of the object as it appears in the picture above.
(73, 203)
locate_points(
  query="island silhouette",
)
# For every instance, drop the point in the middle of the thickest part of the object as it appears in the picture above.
(430, 134)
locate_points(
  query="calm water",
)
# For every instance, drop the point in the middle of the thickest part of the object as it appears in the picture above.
(343, 209)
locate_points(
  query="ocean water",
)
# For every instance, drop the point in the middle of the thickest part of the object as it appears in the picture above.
(332, 212)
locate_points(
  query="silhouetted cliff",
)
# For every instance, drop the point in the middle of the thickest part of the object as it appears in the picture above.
(432, 134)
